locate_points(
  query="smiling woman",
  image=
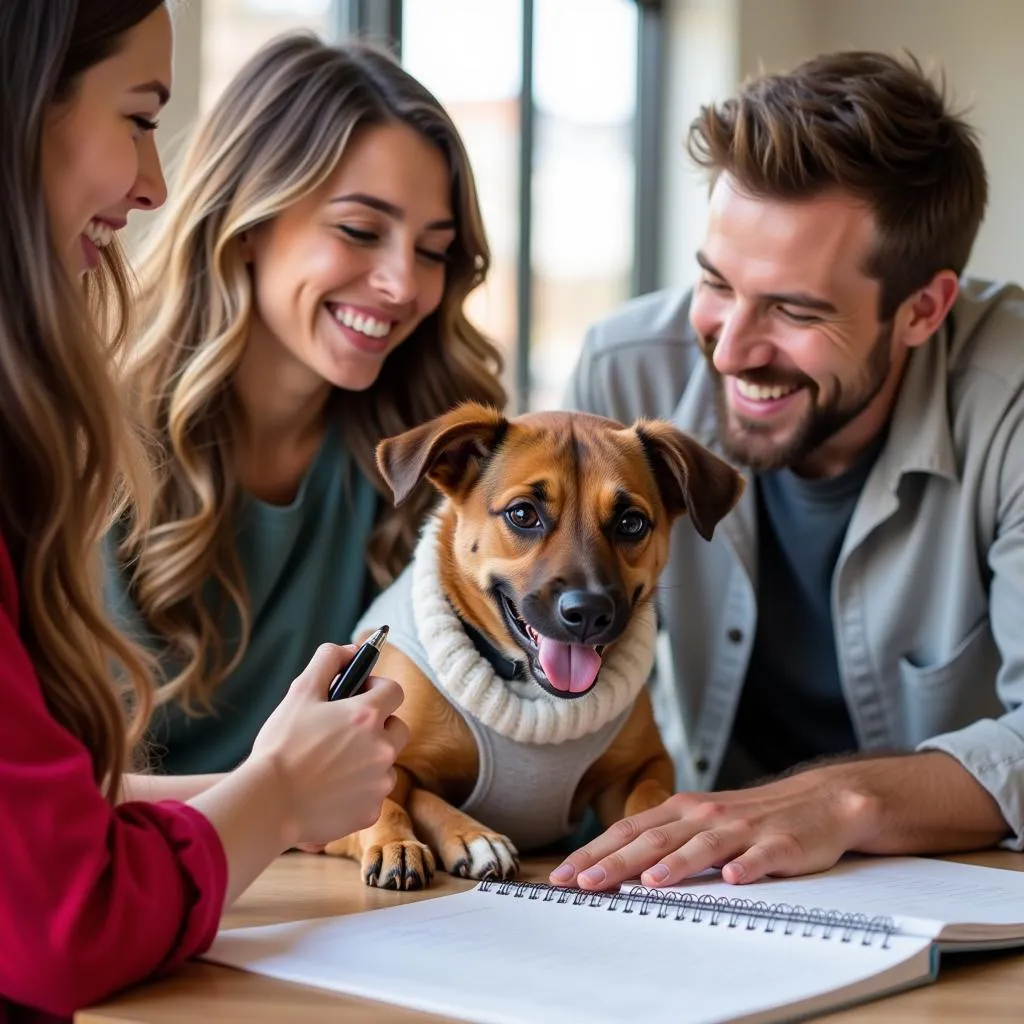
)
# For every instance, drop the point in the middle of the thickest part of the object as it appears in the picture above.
(94, 164)
(96, 891)
(343, 276)
(99, 157)
(90, 898)
(302, 299)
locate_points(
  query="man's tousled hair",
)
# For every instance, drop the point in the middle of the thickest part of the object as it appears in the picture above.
(870, 125)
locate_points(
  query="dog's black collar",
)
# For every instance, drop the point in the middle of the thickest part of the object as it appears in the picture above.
(506, 667)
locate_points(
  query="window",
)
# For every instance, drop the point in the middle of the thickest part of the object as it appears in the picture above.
(545, 95)
(233, 30)
(476, 74)
(584, 88)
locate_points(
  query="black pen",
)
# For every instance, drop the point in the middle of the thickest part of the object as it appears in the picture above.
(351, 679)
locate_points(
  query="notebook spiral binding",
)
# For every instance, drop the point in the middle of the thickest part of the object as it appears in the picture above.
(712, 911)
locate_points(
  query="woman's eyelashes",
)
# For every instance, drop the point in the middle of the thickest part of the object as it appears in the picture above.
(358, 235)
(143, 123)
(433, 255)
(363, 237)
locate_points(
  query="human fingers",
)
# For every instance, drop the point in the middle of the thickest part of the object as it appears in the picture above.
(617, 837)
(782, 854)
(397, 733)
(325, 664)
(651, 847)
(704, 848)
(384, 693)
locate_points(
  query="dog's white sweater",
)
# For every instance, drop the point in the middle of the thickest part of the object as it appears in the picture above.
(533, 747)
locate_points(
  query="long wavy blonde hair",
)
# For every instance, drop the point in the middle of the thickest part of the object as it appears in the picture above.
(64, 447)
(275, 135)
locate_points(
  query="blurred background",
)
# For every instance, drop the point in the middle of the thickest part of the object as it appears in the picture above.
(574, 113)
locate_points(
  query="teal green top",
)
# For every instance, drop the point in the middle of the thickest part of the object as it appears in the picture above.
(305, 570)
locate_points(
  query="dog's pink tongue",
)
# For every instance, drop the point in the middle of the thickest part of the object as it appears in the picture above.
(571, 668)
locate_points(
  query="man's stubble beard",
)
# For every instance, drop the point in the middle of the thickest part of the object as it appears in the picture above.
(818, 424)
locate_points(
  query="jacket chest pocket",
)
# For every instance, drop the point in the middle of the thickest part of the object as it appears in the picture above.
(953, 694)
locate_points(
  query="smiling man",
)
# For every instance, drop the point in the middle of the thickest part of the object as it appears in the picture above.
(848, 652)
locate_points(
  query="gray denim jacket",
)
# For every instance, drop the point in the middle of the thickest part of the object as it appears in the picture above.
(928, 591)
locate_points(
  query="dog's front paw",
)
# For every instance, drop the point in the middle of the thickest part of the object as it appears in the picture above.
(406, 864)
(479, 855)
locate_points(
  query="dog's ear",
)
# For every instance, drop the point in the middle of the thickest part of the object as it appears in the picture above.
(449, 451)
(689, 477)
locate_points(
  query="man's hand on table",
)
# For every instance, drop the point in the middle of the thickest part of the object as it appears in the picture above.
(798, 824)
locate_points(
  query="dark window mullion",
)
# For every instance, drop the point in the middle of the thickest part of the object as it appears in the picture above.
(647, 147)
(524, 263)
(378, 21)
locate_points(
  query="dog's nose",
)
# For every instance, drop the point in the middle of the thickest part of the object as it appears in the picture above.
(586, 614)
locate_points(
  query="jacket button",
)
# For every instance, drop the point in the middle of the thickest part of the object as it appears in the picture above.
(702, 764)
(735, 635)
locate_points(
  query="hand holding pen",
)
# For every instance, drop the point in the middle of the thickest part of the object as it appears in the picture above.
(353, 677)
(330, 765)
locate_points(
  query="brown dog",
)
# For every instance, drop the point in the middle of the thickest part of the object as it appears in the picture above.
(523, 633)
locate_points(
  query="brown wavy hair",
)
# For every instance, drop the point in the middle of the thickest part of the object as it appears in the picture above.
(873, 126)
(64, 448)
(275, 135)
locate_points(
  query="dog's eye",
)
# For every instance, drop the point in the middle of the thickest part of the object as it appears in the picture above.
(633, 525)
(523, 516)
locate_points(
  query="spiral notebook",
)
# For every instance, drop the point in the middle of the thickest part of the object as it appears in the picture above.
(530, 953)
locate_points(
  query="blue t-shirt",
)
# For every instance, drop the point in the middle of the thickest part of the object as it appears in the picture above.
(793, 708)
(305, 570)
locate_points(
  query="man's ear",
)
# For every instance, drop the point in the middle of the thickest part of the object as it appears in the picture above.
(449, 451)
(689, 477)
(923, 313)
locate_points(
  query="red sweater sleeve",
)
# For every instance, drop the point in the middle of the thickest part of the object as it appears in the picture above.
(92, 897)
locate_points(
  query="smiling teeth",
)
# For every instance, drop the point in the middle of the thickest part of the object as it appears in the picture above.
(531, 634)
(99, 233)
(367, 325)
(762, 393)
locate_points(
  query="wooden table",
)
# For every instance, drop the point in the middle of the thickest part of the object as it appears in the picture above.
(971, 987)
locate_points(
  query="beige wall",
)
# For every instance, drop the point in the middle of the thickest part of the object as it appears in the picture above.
(979, 44)
(181, 111)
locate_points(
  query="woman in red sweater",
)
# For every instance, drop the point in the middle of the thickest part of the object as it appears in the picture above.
(98, 890)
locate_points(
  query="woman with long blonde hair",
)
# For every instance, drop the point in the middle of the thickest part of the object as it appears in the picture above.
(98, 888)
(301, 299)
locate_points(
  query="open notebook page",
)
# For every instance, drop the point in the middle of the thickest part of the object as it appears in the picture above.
(958, 903)
(499, 959)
